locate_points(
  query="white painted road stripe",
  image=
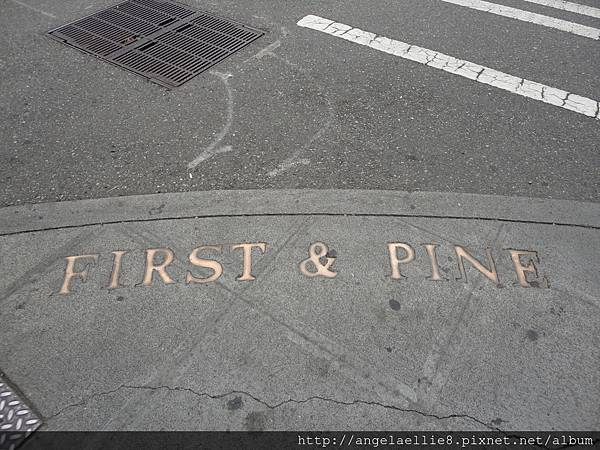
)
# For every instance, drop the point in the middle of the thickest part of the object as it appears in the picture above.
(431, 58)
(527, 16)
(569, 6)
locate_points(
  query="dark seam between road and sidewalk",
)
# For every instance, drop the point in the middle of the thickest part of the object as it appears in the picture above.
(319, 214)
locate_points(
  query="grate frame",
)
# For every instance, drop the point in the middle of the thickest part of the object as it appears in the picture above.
(164, 41)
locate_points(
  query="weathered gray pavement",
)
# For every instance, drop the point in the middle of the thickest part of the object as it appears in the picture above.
(471, 304)
(358, 350)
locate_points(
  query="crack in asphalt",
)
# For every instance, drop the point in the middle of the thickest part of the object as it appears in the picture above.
(269, 405)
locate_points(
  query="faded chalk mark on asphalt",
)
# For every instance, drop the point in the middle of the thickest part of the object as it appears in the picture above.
(25, 5)
(288, 165)
(212, 149)
(472, 71)
(531, 17)
(267, 51)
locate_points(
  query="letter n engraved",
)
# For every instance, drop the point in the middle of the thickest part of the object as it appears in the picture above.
(490, 273)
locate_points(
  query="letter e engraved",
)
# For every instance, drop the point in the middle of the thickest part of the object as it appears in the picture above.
(528, 267)
(70, 271)
(160, 269)
(317, 251)
(215, 266)
(490, 273)
(394, 261)
(247, 269)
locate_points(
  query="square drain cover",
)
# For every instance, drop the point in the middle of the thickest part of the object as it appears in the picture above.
(167, 42)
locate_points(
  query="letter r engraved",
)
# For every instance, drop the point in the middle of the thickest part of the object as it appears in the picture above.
(160, 269)
(70, 271)
(394, 261)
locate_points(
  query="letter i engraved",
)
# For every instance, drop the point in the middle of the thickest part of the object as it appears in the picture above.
(435, 268)
(116, 270)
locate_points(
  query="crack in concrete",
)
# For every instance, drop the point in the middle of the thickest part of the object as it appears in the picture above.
(269, 405)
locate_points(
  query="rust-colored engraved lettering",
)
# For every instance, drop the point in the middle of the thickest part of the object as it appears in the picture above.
(317, 251)
(215, 266)
(247, 269)
(490, 273)
(70, 271)
(395, 262)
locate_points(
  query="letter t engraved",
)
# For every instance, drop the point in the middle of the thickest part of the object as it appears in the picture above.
(247, 268)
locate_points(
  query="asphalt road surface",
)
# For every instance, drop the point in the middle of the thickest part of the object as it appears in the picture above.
(302, 109)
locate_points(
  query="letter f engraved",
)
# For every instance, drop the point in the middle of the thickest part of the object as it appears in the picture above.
(70, 272)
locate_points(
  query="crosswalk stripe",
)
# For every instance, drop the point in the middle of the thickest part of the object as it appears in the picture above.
(569, 6)
(528, 16)
(476, 72)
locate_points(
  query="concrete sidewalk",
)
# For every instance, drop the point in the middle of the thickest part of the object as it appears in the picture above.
(304, 310)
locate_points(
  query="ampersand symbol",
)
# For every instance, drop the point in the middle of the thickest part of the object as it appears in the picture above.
(317, 251)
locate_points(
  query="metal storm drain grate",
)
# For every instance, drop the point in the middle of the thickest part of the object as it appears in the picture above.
(164, 41)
